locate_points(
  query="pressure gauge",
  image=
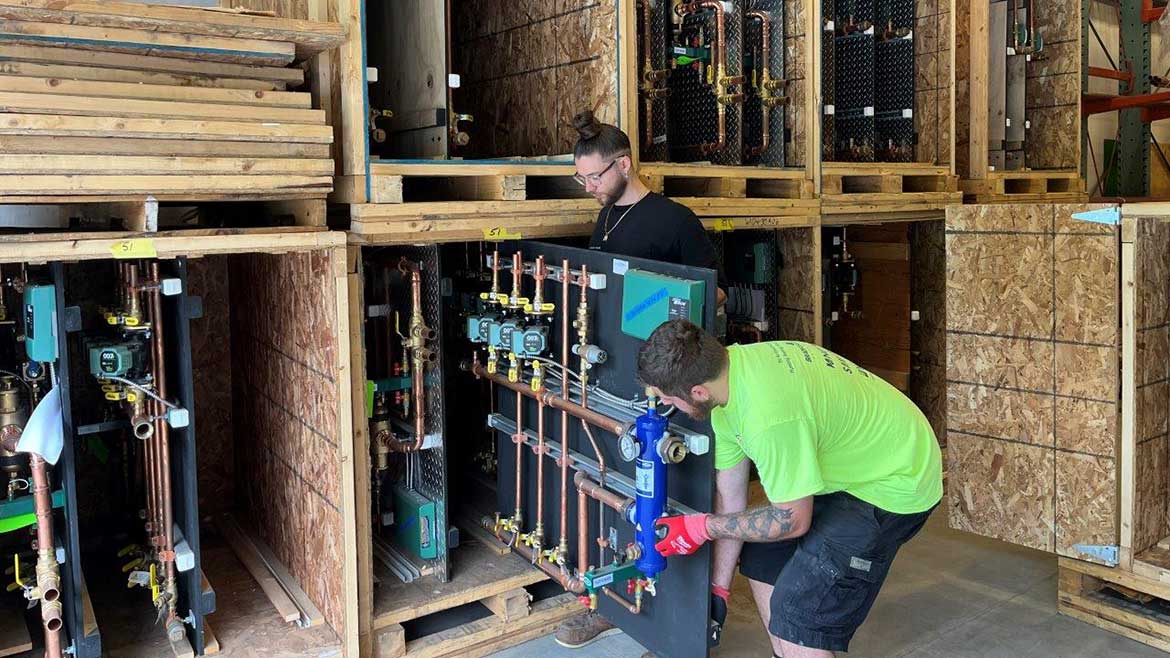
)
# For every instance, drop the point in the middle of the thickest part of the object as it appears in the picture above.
(629, 447)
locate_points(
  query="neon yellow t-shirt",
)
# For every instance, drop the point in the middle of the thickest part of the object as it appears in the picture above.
(814, 423)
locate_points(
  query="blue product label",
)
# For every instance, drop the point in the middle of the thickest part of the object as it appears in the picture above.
(644, 478)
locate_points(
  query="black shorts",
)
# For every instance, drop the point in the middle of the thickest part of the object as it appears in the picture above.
(827, 580)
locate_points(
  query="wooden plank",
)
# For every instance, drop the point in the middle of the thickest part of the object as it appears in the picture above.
(112, 146)
(244, 131)
(61, 104)
(390, 642)
(141, 42)
(473, 209)
(95, 58)
(1127, 461)
(253, 561)
(350, 498)
(86, 184)
(477, 573)
(109, 74)
(181, 648)
(210, 641)
(99, 89)
(470, 168)
(977, 86)
(1120, 576)
(14, 637)
(718, 171)
(363, 561)
(42, 248)
(352, 89)
(311, 37)
(130, 165)
(310, 615)
(455, 641)
(509, 605)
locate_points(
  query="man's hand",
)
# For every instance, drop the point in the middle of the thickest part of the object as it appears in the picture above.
(684, 534)
(719, 597)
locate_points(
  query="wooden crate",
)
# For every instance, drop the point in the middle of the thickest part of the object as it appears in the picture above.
(1054, 87)
(148, 215)
(860, 192)
(1117, 601)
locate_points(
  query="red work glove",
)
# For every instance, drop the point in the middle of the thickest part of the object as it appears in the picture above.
(684, 534)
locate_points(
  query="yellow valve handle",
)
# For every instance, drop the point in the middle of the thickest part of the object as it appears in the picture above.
(130, 322)
(153, 584)
(128, 549)
(131, 396)
(547, 307)
(16, 570)
(131, 565)
(113, 397)
(502, 298)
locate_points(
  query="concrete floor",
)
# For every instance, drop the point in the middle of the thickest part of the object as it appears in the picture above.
(949, 594)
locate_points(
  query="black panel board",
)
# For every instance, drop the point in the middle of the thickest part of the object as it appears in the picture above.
(674, 623)
(753, 67)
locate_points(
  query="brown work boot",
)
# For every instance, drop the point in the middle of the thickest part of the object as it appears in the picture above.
(584, 629)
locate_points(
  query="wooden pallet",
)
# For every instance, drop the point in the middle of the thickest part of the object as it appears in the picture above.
(713, 191)
(453, 180)
(1116, 600)
(1025, 186)
(150, 214)
(455, 221)
(879, 191)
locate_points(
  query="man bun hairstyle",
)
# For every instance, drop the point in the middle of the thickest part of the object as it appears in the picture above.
(678, 356)
(596, 138)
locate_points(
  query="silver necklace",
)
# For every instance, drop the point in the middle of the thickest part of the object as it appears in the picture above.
(607, 229)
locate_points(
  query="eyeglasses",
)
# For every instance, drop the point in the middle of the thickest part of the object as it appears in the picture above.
(595, 178)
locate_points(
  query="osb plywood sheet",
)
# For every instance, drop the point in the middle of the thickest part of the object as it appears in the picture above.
(999, 413)
(1053, 137)
(1059, 19)
(1152, 355)
(284, 332)
(1087, 426)
(928, 390)
(1150, 523)
(932, 82)
(797, 325)
(1150, 411)
(1087, 301)
(1064, 222)
(990, 274)
(1086, 502)
(1152, 274)
(795, 72)
(995, 361)
(1087, 371)
(798, 284)
(1002, 218)
(1052, 90)
(1002, 490)
(211, 363)
(528, 67)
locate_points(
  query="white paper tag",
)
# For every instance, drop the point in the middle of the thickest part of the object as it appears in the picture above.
(829, 109)
(620, 266)
(371, 74)
(908, 114)
(830, 26)
(1027, 124)
(869, 31)
(1007, 121)
(868, 111)
(909, 35)
(1011, 51)
(453, 80)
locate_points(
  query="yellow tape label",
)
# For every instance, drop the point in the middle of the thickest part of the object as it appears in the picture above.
(499, 233)
(137, 248)
(725, 225)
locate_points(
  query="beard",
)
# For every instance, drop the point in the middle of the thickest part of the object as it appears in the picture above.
(700, 411)
(613, 194)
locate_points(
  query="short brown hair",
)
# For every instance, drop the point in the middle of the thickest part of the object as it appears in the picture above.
(679, 355)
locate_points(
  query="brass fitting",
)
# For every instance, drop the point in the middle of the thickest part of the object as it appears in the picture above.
(537, 376)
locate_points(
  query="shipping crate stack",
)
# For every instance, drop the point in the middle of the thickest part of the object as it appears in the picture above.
(110, 102)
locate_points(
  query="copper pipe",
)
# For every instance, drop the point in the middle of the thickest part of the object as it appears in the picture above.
(766, 60)
(614, 501)
(612, 425)
(162, 434)
(517, 272)
(648, 67)
(48, 578)
(564, 397)
(632, 608)
(582, 532)
(417, 354)
(539, 473)
(572, 584)
(495, 273)
(518, 438)
(583, 339)
(722, 80)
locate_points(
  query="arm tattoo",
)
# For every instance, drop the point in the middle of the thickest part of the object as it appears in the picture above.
(759, 524)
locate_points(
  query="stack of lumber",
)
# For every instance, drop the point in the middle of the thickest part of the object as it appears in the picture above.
(105, 100)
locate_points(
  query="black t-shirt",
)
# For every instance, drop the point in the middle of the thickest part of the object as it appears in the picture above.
(655, 228)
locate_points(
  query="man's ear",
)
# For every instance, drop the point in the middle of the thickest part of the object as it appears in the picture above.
(699, 392)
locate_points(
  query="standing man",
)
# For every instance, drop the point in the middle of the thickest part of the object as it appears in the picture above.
(850, 466)
(633, 222)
